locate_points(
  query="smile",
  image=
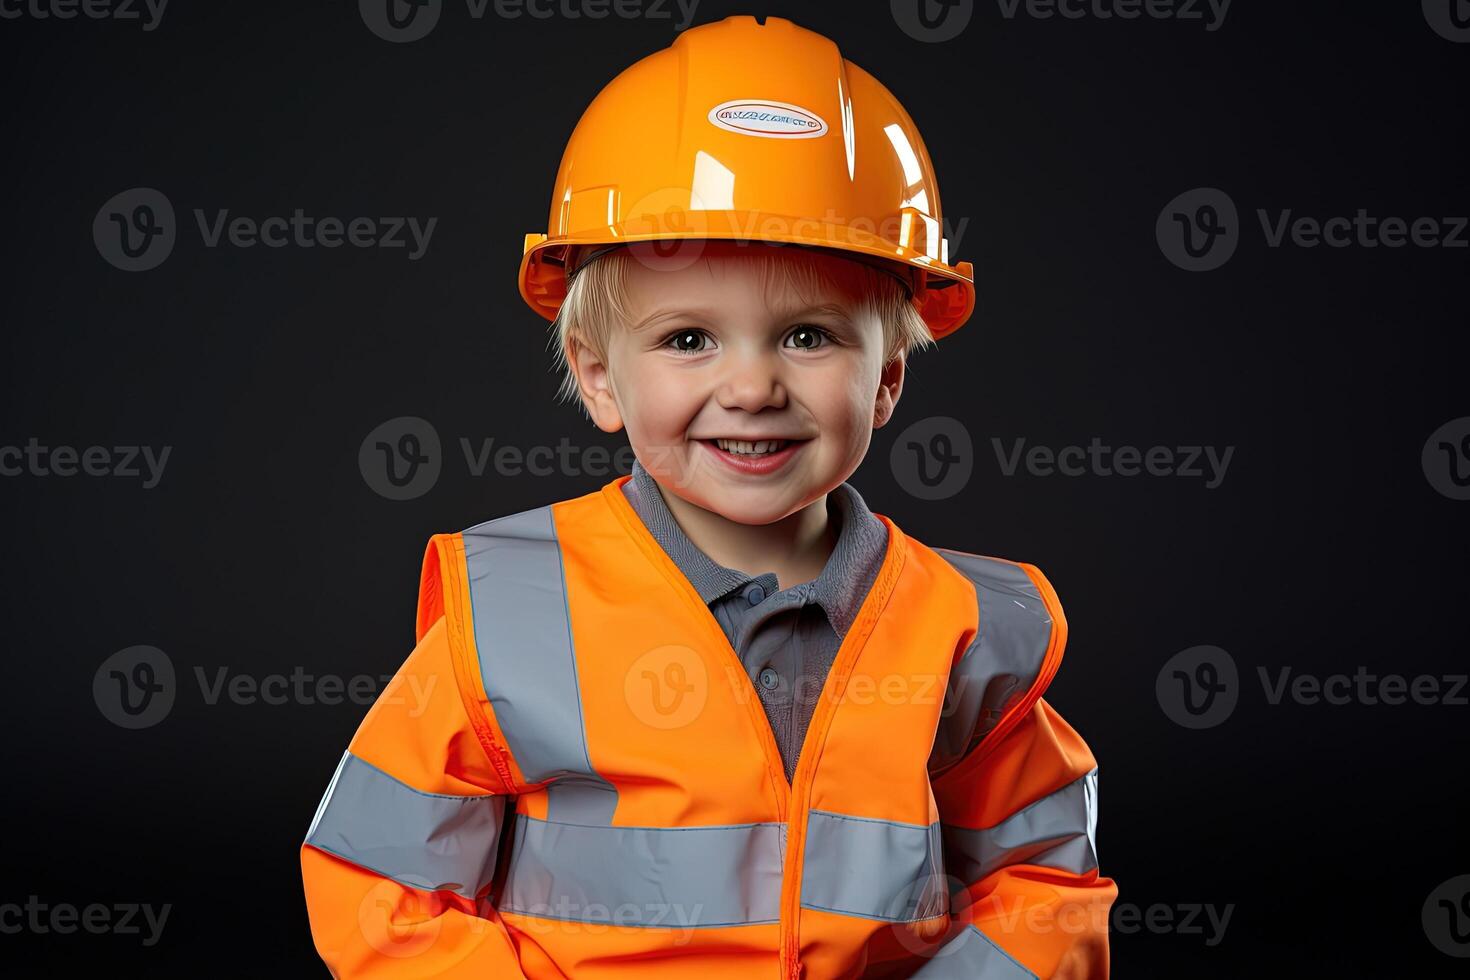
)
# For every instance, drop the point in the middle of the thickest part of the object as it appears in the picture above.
(754, 457)
(759, 447)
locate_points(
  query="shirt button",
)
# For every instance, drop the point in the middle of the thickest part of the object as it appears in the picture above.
(755, 594)
(769, 680)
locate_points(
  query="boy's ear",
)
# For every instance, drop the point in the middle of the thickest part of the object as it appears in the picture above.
(595, 387)
(890, 386)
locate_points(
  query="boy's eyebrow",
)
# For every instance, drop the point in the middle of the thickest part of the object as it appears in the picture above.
(785, 313)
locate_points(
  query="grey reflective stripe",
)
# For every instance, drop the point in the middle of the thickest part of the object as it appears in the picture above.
(877, 869)
(972, 955)
(428, 841)
(1002, 661)
(518, 598)
(657, 877)
(1057, 831)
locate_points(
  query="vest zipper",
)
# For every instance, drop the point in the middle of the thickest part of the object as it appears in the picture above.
(790, 966)
(827, 702)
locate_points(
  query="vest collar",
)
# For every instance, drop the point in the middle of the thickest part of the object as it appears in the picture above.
(839, 589)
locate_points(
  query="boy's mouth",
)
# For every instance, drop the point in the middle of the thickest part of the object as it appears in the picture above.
(754, 457)
(751, 447)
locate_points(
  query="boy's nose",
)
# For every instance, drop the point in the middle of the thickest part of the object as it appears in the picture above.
(751, 384)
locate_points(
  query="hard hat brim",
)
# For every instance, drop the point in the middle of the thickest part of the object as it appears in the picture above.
(944, 295)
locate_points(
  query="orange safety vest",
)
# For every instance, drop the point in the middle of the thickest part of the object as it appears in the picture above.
(572, 776)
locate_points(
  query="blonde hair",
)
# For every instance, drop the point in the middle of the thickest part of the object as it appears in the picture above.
(597, 301)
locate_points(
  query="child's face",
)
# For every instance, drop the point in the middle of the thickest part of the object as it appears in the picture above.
(712, 352)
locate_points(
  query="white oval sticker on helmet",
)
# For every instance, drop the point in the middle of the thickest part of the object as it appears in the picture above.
(764, 117)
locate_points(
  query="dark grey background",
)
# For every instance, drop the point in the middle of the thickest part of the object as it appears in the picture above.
(264, 549)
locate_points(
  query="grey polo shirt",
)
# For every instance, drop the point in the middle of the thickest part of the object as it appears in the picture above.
(786, 639)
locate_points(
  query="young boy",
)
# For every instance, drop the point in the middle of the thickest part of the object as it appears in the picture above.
(717, 718)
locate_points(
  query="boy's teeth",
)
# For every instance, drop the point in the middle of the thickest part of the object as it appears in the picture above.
(750, 448)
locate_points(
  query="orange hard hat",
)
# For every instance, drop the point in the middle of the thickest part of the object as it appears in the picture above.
(750, 131)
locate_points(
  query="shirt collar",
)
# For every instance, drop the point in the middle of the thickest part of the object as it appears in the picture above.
(862, 542)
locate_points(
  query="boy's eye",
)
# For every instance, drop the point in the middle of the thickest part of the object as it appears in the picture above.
(807, 338)
(688, 341)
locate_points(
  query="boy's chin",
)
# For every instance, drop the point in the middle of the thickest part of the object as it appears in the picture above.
(758, 503)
